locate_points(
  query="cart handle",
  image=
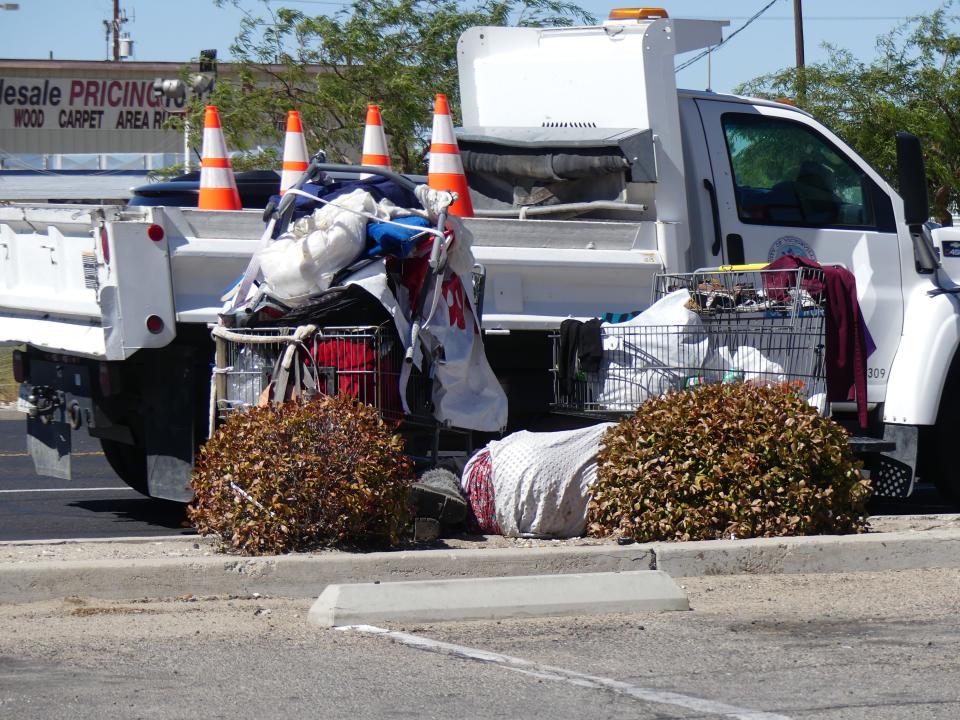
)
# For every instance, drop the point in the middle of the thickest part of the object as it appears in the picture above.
(401, 180)
(733, 268)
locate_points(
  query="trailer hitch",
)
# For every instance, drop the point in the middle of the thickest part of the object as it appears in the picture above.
(43, 401)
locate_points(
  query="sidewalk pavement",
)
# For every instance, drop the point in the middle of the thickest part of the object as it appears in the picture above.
(131, 569)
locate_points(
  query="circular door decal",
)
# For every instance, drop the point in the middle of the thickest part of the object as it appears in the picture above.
(790, 245)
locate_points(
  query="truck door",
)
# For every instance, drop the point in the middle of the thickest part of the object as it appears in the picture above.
(785, 185)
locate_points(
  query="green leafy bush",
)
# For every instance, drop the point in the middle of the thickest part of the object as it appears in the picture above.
(727, 460)
(302, 475)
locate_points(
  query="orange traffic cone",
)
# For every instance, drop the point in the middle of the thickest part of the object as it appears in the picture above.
(375, 150)
(446, 168)
(218, 188)
(295, 157)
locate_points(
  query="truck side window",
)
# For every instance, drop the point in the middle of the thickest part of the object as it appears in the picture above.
(787, 174)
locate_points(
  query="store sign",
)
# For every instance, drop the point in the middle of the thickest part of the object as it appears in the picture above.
(64, 115)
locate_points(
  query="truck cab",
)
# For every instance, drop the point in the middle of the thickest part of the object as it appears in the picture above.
(735, 181)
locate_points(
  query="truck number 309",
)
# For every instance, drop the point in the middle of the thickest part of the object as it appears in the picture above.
(876, 373)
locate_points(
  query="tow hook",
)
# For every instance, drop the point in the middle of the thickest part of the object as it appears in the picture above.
(75, 415)
(43, 400)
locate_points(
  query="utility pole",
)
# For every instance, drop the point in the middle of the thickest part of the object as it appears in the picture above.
(797, 31)
(116, 30)
(112, 31)
(798, 41)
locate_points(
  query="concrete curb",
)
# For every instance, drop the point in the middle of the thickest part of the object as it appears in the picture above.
(427, 601)
(128, 540)
(299, 576)
(305, 576)
(872, 552)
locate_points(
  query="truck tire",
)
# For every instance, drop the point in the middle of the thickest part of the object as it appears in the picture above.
(129, 462)
(942, 460)
(946, 475)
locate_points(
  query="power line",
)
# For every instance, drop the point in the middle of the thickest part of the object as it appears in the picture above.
(731, 36)
(858, 18)
(313, 2)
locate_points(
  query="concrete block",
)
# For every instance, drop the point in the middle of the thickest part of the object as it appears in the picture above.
(496, 598)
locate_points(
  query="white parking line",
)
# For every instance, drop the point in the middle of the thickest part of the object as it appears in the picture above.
(556, 674)
(68, 490)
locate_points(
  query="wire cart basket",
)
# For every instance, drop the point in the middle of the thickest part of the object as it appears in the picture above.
(756, 326)
(363, 362)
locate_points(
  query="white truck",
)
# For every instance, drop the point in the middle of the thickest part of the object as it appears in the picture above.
(590, 173)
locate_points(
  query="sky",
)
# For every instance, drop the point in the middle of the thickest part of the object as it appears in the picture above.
(176, 30)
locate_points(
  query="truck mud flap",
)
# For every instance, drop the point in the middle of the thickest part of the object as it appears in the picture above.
(49, 445)
(892, 473)
(168, 426)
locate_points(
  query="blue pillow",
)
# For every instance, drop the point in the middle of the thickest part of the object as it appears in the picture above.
(388, 239)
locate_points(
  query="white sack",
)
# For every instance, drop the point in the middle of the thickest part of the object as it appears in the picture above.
(542, 480)
(304, 260)
(677, 340)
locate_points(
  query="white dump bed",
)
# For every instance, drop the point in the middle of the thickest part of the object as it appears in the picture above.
(106, 281)
(531, 99)
(540, 272)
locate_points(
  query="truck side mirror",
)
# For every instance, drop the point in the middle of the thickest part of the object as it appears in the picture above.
(913, 179)
(916, 208)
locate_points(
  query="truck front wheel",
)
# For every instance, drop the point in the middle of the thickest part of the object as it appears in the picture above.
(129, 462)
(941, 457)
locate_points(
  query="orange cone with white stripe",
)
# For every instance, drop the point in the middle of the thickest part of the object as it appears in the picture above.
(446, 167)
(295, 157)
(375, 151)
(218, 187)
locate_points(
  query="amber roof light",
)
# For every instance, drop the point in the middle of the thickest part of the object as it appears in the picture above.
(647, 13)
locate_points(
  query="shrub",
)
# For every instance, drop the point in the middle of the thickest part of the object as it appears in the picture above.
(300, 476)
(727, 460)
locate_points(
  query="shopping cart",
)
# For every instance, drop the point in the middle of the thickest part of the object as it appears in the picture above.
(258, 365)
(746, 325)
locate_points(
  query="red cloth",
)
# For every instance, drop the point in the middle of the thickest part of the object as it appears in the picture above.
(848, 343)
(412, 271)
(358, 373)
(477, 485)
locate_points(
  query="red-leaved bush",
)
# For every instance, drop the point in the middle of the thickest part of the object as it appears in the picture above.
(300, 476)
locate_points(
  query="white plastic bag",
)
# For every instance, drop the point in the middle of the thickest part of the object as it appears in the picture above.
(247, 377)
(639, 364)
(304, 260)
(756, 367)
(719, 366)
(466, 392)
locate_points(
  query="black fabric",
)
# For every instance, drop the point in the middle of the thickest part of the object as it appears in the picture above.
(338, 306)
(541, 166)
(264, 313)
(591, 346)
(581, 349)
(567, 360)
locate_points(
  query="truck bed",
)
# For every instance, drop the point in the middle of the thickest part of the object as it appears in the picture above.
(84, 280)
